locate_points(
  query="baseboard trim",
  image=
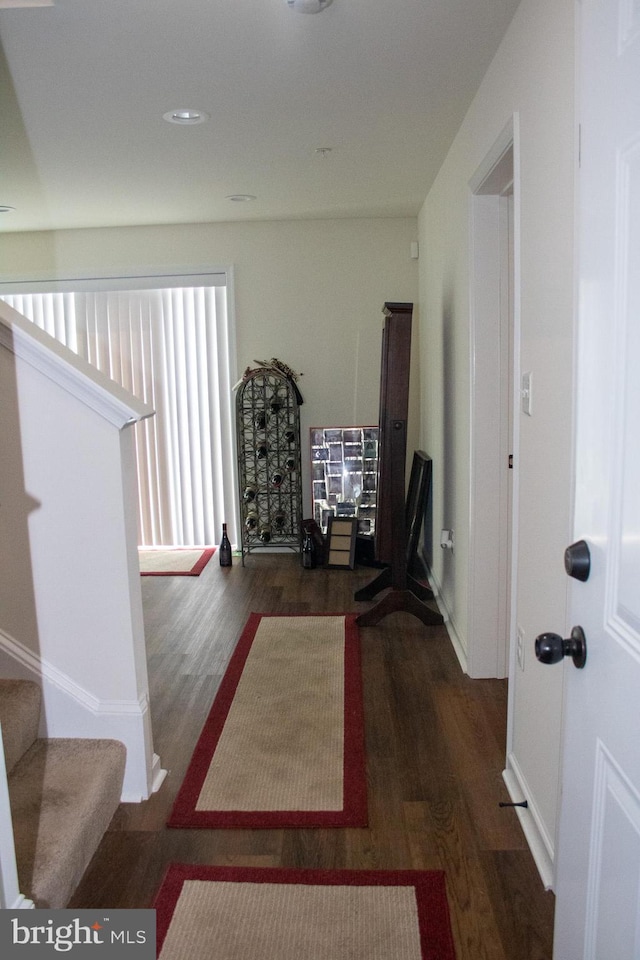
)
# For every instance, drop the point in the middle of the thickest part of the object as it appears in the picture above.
(158, 775)
(71, 711)
(40, 669)
(531, 822)
(449, 624)
(22, 903)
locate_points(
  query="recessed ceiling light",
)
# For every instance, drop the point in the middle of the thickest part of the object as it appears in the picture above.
(241, 197)
(5, 209)
(186, 117)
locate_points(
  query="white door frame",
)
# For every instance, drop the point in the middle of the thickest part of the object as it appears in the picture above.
(491, 527)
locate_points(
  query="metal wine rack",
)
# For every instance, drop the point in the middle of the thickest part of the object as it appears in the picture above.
(268, 436)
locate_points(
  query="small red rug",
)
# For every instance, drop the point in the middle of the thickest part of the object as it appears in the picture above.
(238, 913)
(283, 745)
(174, 562)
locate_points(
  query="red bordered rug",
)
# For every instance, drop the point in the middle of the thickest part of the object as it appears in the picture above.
(237, 913)
(173, 562)
(283, 745)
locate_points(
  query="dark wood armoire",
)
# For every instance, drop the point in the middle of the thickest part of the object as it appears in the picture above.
(403, 592)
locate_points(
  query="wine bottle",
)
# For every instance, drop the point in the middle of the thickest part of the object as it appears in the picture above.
(290, 464)
(262, 451)
(260, 420)
(276, 479)
(279, 519)
(249, 493)
(289, 436)
(225, 549)
(265, 533)
(251, 521)
(308, 552)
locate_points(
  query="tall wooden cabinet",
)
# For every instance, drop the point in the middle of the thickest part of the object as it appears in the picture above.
(269, 477)
(406, 594)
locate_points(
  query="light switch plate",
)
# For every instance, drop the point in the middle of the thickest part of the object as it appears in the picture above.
(525, 393)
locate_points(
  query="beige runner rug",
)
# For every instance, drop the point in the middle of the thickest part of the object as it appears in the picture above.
(173, 561)
(284, 742)
(235, 913)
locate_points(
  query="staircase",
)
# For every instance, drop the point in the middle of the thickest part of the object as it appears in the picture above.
(63, 794)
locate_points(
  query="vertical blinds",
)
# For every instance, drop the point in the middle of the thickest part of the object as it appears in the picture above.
(170, 347)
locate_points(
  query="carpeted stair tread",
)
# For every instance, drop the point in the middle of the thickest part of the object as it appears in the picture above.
(64, 793)
(20, 717)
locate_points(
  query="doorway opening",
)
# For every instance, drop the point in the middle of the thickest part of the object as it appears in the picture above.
(493, 454)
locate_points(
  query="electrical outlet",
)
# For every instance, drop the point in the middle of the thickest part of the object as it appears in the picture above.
(520, 647)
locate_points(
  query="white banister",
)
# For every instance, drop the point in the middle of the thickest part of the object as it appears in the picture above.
(55, 361)
(70, 598)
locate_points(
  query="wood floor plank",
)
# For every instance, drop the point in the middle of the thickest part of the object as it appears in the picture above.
(435, 746)
(525, 928)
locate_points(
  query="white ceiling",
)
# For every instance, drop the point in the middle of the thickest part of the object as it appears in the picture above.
(85, 83)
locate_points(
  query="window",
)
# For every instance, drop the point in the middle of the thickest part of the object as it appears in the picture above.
(168, 341)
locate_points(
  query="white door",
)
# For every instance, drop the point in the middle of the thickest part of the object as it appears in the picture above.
(598, 878)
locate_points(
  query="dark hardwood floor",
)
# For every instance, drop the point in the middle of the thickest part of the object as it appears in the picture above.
(435, 754)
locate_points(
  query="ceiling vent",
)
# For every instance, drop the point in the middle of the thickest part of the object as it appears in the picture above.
(5, 4)
(308, 6)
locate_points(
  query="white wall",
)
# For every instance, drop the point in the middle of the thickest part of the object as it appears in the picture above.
(308, 292)
(530, 83)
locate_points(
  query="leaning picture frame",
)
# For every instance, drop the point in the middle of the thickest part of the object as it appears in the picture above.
(341, 542)
(416, 504)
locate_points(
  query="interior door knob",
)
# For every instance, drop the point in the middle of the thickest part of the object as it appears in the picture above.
(577, 560)
(551, 648)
